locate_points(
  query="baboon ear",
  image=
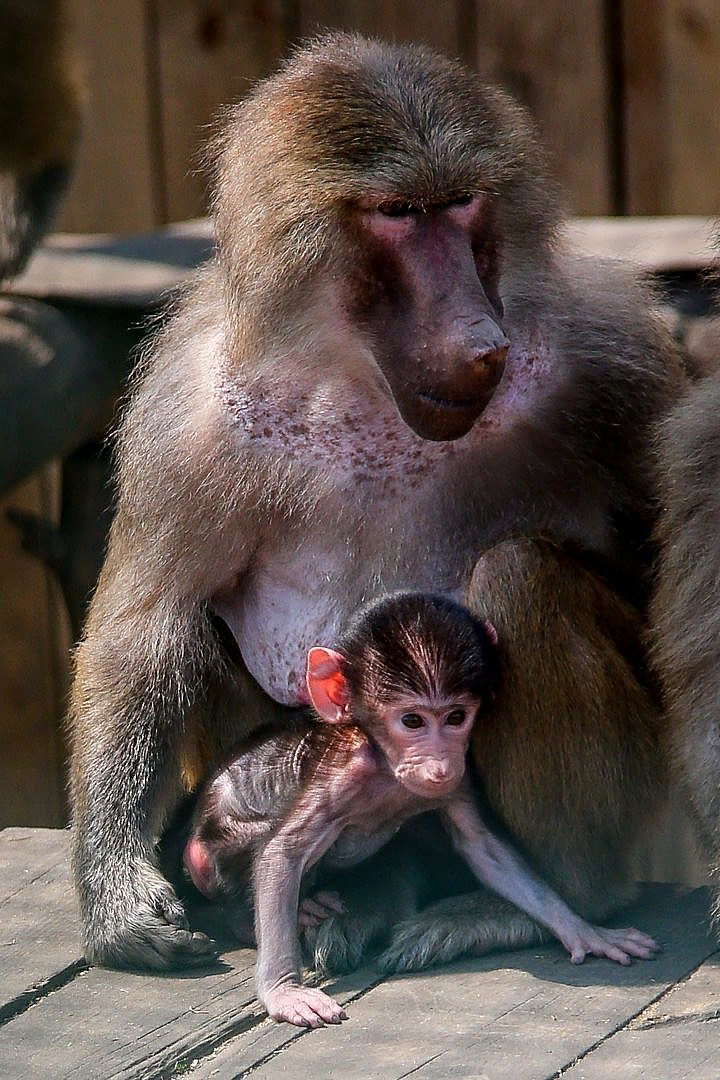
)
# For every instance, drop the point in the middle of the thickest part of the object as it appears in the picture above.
(490, 631)
(327, 686)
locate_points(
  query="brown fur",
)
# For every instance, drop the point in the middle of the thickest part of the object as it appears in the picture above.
(685, 613)
(265, 473)
(40, 109)
(570, 762)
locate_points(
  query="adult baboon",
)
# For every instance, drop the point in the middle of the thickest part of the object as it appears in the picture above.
(387, 369)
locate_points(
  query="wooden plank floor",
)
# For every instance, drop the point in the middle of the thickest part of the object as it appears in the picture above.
(524, 1015)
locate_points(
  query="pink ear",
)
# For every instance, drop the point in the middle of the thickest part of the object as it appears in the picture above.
(491, 631)
(327, 685)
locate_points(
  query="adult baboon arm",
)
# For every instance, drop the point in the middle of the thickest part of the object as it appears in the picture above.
(155, 698)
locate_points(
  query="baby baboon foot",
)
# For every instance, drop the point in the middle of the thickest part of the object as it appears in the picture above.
(303, 1006)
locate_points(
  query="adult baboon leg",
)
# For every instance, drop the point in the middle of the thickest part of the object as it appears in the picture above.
(684, 610)
(128, 777)
(570, 758)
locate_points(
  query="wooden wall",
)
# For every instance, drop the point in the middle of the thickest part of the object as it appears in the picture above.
(626, 91)
(34, 644)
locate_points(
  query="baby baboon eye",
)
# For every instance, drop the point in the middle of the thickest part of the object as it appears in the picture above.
(412, 720)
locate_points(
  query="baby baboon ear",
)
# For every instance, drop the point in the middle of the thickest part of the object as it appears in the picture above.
(327, 685)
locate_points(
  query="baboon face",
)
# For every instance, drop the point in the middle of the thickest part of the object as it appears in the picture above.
(398, 179)
(425, 289)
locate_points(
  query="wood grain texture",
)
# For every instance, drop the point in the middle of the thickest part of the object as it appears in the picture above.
(511, 1016)
(552, 56)
(39, 935)
(113, 183)
(438, 24)
(206, 55)
(672, 106)
(33, 669)
(521, 1015)
(675, 1038)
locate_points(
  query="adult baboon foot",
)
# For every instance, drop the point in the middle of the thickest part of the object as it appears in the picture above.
(340, 943)
(472, 924)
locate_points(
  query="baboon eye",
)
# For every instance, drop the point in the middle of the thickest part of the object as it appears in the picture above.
(397, 209)
(412, 720)
(461, 200)
(455, 718)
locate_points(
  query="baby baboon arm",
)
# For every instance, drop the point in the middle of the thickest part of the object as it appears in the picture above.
(301, 841)
(497, 865)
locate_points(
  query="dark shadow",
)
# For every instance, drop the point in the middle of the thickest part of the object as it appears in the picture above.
(676, 917)
(182, 246)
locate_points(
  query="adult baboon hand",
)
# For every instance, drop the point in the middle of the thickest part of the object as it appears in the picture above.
(153, 932)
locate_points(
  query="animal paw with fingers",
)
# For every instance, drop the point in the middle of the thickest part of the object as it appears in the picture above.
(621, 945)
(303, 1006)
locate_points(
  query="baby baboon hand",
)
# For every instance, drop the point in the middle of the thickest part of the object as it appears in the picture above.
(303, 1006)
(618, 945)
(315, 909)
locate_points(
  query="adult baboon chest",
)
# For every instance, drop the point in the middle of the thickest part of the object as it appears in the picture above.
(388, 510)
(303, 583)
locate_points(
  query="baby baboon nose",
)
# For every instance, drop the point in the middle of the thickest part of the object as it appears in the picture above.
(438, 772)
